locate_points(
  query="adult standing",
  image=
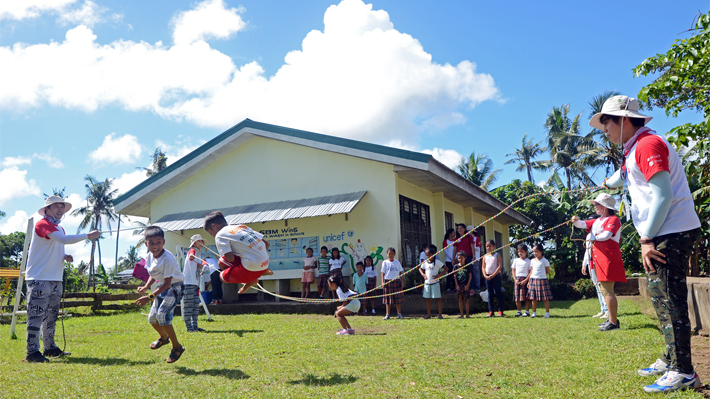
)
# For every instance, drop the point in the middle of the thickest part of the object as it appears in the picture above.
(605, 261)
(664, 215)
(44, 275)
(467, 243)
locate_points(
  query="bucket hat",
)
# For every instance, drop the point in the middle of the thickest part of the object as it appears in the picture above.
(605, 200)
(619, 106)
(54, 199)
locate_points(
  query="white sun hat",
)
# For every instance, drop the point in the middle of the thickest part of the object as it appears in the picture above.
(605, 200)
(619, 106)
(54, 199)
(195, 238)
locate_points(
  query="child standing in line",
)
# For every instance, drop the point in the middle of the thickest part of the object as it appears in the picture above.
(462, 279)
(371, 272)
(521, 270)
(245, 256)
(323, 271)
(348, 307)
(360, 281)
(431, 270)
(309, 266)
(336, 265)
(392, 284)
(162, 266)
(491, 268)
(449, 257)
(191, 300)
(539, 287)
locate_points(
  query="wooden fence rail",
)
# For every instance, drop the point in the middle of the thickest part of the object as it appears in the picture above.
(98, 299)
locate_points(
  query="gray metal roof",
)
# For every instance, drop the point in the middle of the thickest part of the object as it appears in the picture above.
(244, 214)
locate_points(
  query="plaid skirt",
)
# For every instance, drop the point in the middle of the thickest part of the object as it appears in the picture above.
(337, 272)
(393, 286)
(323, 281)
(371, 283)
(539, 289)
(520, 293)
(307, 276)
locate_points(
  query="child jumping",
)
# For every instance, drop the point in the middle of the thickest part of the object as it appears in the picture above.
(371, 272)
(521, 270)
(491, 268)
(162, 266)
(539, 287)
(245, 256)
(431, 270)
(360, 281)
(348, 307)
(323, 271)
(392, 284)
(309, 266)
(463, 277)
(192, 270)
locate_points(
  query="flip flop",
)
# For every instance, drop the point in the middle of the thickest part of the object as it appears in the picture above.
(158, 343)
(175, 354)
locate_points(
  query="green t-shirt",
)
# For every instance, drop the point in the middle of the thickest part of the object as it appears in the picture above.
(323, 265)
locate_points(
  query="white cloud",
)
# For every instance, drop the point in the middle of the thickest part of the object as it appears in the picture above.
(450, 158)
(52, 162)
(16, 161)
(128, 180)
(16, 222)
(209, 19)
(25, 9)
(358, 78)
(177, 151)
(89, 14)
(16, 185)
(122, 150)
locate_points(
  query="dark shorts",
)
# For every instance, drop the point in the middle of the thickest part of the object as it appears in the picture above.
(393, 287)
(539, 289)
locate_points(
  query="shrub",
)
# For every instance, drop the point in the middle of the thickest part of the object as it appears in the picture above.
(563, 291)
(586, 288)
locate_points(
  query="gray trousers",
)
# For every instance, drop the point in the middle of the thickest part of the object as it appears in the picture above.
(43, 301)
(192, 307)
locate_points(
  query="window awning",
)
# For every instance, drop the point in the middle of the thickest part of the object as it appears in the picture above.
(266, 212)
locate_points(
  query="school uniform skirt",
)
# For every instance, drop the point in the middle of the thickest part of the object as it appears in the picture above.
(520, 293)
(371, 283)
(539, 289)
(394, 288)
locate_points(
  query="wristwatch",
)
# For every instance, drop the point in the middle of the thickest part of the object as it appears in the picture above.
(646, 241)
(151, 296)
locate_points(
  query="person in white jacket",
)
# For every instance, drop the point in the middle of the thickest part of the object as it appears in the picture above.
(44, 275)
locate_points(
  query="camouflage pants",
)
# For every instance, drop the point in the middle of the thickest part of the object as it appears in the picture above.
(43, 301)
(669, 295)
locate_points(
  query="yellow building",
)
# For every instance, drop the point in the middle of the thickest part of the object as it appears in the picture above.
(303, 189)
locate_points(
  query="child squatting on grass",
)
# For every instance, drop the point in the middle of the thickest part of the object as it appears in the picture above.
(521, 270)
(348, 307)
(162, 266)
(244, 252)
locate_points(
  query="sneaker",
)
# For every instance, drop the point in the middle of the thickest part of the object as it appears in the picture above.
(547, 315)
(373, 311)
(440, 317)
(673, 381)
(657, 368)
(387, 317)
(499, 314)
(533, 315)
(526, 314)
(518, 314)
(427, 317)
(604, 323)
(342, 332)
(349, 331)
(35, 357)
(600, 314)
(54, 352)
(399, 316)
(490, 314)
(610, 326)
(605, 316)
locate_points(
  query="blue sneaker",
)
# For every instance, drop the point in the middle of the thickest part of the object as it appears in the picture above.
(657, 368)
(673, 381)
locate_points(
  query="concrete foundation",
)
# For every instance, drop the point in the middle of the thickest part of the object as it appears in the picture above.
(698, 300)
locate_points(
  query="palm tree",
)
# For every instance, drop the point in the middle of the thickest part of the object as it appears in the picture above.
(129, 261)
(99, 207)
(139, 232)
(609, 154)
(478, 169)
(569, 151)
(524, 156)
(159, 162)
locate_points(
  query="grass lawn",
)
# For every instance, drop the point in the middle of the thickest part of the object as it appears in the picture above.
(292, 356)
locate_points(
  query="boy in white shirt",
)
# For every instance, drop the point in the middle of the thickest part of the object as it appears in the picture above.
(44, 275)
(162, 267)
(432, 269)
(245, 256)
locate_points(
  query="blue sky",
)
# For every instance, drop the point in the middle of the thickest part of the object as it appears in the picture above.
(94, 87)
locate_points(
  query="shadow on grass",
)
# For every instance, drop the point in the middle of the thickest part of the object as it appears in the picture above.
(232, 374)
(107, 361)
(335, 379)
(238, 332)
(578, 316)
(643, 326)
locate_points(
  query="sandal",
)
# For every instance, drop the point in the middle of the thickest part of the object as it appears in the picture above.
(158, 343)
(175, 354)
